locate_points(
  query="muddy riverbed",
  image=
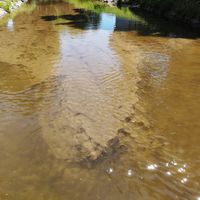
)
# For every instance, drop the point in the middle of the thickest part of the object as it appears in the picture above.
(93, 106)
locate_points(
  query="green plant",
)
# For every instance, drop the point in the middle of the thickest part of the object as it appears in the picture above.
(98, 7)
(5, 5)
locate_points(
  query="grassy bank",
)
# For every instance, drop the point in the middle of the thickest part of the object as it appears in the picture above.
(5, 5)
(181, 10)
(98, 7)
(12, 13)
(187, 11)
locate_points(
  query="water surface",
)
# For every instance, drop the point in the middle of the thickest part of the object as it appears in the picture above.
(93, 106)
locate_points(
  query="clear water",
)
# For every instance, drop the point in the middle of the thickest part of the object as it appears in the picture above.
(93, 106)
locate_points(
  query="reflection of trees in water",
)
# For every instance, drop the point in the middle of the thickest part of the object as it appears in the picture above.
(154, 26)
(144, 24)
(77, 19)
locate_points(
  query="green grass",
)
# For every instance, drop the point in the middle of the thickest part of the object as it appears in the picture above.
(5, 5)
(25, 8)
(98, 7)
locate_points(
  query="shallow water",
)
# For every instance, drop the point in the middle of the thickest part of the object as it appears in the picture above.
(98, 107)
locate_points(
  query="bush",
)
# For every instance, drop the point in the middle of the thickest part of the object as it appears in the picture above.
(181, 8)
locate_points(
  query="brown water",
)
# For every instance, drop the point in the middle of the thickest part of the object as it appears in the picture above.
(98, 107)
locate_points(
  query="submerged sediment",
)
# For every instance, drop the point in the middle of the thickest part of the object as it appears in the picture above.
(74, 121)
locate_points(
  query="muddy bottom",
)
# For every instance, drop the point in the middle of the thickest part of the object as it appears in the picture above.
(93, 106)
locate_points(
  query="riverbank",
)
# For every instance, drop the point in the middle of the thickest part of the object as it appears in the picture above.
(102, 6)
(9, 6)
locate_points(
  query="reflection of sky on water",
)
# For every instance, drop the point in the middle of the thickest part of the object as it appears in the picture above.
(87, 48)
(159, 63)
(10, 25)
(107, 22)
(90, 46)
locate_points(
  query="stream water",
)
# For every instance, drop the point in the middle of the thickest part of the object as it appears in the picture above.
(93, 106)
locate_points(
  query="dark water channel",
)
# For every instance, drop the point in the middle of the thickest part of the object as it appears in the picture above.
(93, 106)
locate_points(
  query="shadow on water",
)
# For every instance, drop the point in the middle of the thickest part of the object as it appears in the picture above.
(143, 24)
(159, 26)
(82, 20)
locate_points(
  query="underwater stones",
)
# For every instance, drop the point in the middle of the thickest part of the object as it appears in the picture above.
(128, 119)
(123, 132)
(112, 150)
